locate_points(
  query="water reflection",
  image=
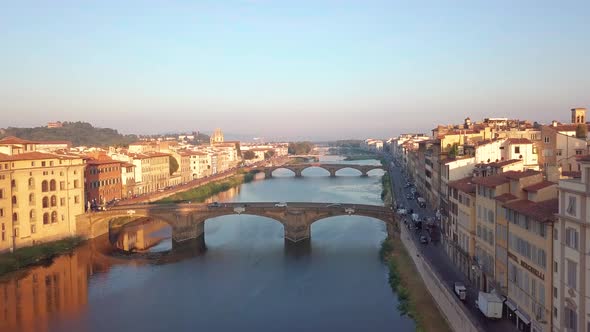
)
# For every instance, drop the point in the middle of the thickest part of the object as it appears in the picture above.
(144, 235)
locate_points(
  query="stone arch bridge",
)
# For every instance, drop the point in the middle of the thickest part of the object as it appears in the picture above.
(188, 220)
(332, 168)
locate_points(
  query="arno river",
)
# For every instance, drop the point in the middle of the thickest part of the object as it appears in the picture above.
(247, 280)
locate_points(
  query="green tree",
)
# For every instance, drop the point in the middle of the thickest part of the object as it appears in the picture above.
(298, 148)
(173, 165)
(454, 150)
(581, 131)
(249, 155)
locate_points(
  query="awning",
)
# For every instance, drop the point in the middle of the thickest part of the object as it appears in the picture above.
(510, 305)
(523, 317)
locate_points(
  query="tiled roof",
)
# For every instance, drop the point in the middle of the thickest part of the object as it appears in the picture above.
(515, 175)
(543, 211)
(465, 185)
(505, 197)
(15, 140)
(567, 127)
(102, 161)
(491, 181)
(503, 163)
(34, 156)
(538, 186)
(519, 141)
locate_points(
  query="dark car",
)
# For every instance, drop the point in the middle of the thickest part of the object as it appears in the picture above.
(424, 239)
(214, 205)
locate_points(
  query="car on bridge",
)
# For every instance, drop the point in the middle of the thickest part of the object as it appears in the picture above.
(349, 210)
(334, 205)
(214, 205)
(281, 204)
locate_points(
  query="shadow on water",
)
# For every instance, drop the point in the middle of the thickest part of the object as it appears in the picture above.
(298, 249)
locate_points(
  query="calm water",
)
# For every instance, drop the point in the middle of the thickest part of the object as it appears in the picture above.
(247, 280)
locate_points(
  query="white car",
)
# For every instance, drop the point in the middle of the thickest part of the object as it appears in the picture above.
(402, 212)
(281, 204)
(349, 210)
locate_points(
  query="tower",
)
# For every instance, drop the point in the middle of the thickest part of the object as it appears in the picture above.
(578, 115)
(217, 137)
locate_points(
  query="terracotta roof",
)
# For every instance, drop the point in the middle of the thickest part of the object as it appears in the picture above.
(102, 161)
(124, 164)
(15, 140)
(543, 211)
(505, 197)
(465, 185)
(538, 186)
(572, 174)
(567, 127)
(504, 162)
(515, 175)
(519, 141)
(34, 156)
(491, 181)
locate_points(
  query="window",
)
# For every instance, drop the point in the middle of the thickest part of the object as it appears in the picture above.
(62, 201)
(31, 199)
(13, 183)
(15, 217)
(555, 234)
(53, 201)
(45, 202)
(558, 152)
(555, 266)
(546, 139)
(570, 319)
(571, 206)
(1, 212)
(33, 229)
(517, 149)
(32, 216)
(579, 152)
(76, 199)
(1, 193)
(43, 163)
(62, 185)
(76, 183)
(52, 185)
(555, 292)
(53, 217)
(44, 186)
(571, 238)
(14, 200)
(31, 183)
(45, 218)
(572, 273)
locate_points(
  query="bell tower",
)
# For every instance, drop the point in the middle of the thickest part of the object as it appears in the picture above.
(578, 115)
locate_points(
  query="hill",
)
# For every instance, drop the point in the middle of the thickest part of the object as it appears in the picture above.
(79, 133)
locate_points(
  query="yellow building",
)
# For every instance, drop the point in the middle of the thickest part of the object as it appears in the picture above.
(40, 195)
(462, 220)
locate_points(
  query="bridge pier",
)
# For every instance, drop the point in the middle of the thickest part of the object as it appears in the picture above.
(364, 173)
(332, 172)
(298, 173)
(194, 245)
(188, 233)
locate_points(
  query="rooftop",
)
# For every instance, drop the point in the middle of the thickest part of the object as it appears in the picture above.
(15, 140)
(465, 185)
(538, 186)
(543, 211)
(35, 156)
(491, 181)
(506, 197)
(519, 141)
(516, 175)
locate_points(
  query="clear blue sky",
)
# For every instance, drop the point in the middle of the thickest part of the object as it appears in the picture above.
(291, 69)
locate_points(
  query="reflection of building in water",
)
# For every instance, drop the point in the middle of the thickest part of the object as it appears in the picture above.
(141, 236)
(27, 303)
(225, 195)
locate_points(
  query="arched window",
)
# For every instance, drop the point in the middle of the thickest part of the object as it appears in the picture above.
(15, 217)
(53, 200)
(32, 216)
(45, 202)
(52, 185)
(14, 200)
(53, 217)
(31, 199)
(44, 186)
(31, 183)
(45, 218)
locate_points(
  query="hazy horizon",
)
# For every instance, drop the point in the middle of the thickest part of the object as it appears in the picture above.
(300, 70)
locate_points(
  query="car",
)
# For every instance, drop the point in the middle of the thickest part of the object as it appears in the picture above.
(334, 205)
(424, 239)
(402, 212)
(281, 204)
(214, 205)
(349, 210)
(460, 290)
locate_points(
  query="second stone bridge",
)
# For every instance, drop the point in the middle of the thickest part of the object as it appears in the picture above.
(332, 168)
(188, 220)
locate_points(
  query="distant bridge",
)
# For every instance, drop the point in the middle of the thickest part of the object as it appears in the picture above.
(188, 220)
(332, 168)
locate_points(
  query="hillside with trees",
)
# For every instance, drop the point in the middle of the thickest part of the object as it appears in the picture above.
(300, 148)
(79, 133)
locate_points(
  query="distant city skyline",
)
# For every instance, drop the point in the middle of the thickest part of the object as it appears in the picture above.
(300, 70)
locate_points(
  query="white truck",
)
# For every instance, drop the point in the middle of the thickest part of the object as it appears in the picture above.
(490, 305)
(421, 202)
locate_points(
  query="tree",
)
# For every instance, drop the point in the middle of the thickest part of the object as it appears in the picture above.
(299, 148)
(249, 155)
(173, 165)
(269, 154)
(581, 131)
(454, 150)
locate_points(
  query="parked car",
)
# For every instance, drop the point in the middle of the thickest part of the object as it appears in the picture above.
(460, 290)
(281, 204)
(421, 202)
(214, 205)
(402, 212)
(424, 239)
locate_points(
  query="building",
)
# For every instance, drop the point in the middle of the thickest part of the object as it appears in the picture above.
(40, 196)
(103, 181)
(57, 124)
(216, 137)
(462, 226)
(571, 242)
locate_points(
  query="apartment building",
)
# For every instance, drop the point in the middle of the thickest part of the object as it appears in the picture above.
(103, 183)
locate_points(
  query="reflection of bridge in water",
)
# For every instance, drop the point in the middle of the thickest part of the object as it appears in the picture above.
(188, 220)
(331, 168)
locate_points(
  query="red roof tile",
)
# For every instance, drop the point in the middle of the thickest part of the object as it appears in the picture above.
(538, 186)
(505, 197)
(516, 175)
(541, 211)
(491, 181)
(519, 141)
(15, 140)
(465, 185)
(34, 156)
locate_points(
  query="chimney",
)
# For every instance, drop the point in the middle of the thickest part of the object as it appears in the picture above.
(553, 123)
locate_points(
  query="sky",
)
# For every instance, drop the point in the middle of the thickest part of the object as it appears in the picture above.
(291, 69)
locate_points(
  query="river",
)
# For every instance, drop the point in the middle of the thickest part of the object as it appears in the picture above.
(247, 280)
